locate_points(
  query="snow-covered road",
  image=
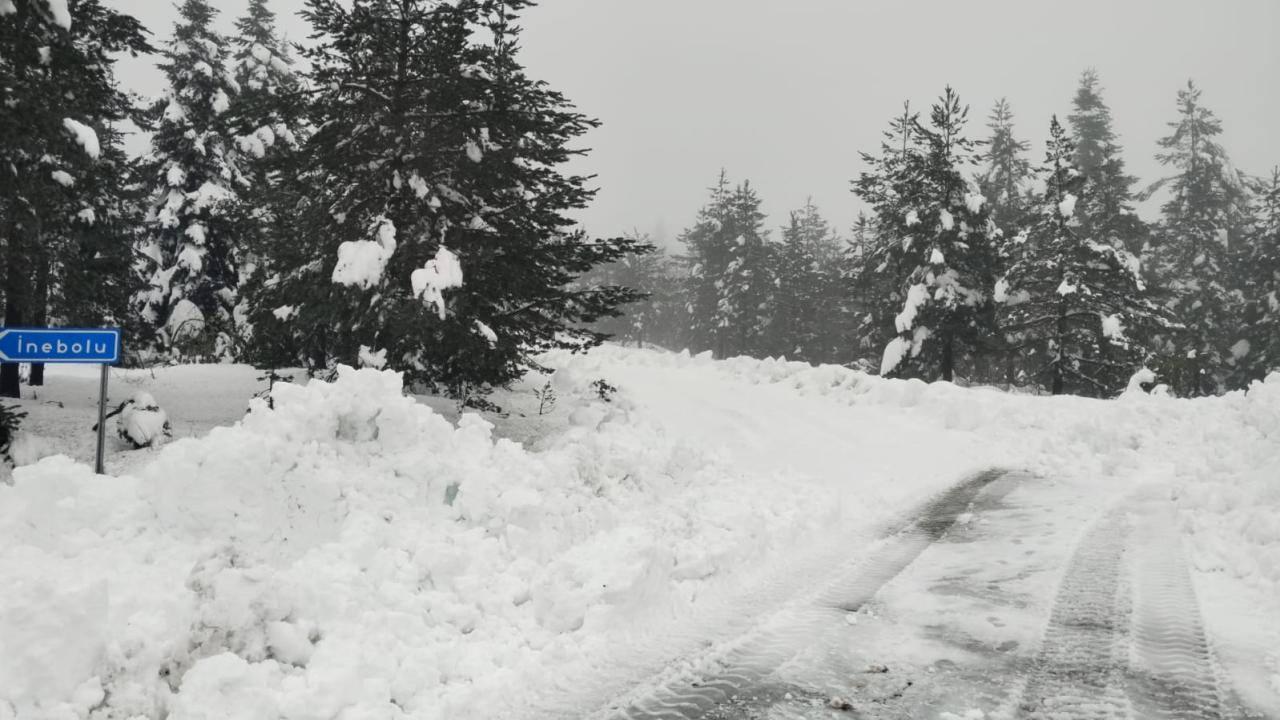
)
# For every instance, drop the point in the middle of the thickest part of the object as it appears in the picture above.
(1008, 596)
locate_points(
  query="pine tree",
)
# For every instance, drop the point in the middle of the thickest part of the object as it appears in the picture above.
(1067, 299)
(939, 232)
(191, 256)
(1106, 214)
(1262, 291)
(654, 318)
(729, 258)
(432, 213)
(1202, 245)
(1004, 182)
(804, 305)
(60, 100)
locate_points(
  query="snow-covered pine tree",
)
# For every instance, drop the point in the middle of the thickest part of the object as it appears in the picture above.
(875, 269)
(729, 275)
(1106, 212)
(190, 257)
(1067, 298)
(60, 98)
(806, 284)
(1007, 173)
(432, 210)
(1262, 291)
(1201, 248)
(941, 234)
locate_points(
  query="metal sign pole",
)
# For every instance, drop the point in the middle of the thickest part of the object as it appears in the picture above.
(102, 418)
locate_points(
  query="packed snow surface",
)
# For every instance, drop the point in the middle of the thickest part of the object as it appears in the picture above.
(350, 552)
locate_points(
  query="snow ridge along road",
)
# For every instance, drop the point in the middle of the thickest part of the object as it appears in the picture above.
(738, 668)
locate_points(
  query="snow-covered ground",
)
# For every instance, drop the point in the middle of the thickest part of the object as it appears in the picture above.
(356, 552)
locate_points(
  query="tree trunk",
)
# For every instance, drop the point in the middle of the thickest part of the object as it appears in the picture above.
(18, 268)
(948, 357)
(40, 312)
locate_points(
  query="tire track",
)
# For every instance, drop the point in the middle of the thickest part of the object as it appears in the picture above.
(1173, 671)
(739, 668)
(1080, 668)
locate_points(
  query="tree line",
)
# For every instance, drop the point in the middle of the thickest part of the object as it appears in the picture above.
(976, 260)
(390, 193)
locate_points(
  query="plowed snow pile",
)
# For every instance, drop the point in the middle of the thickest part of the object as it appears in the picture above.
(349, 553)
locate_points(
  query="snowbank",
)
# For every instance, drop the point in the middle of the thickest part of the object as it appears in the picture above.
(351, 553)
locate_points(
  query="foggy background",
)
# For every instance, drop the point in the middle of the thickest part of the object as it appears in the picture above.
(786, 94)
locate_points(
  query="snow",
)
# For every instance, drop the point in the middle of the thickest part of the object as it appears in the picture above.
(185, 319)
(1113, 328)
(974, 202)
(370, 358)
(473, 151)
(143, 422)
(1067, 207)
(87, 215)
(1066, 288)
(221, 103)
(362, 262)
(936, 258)
(60, 15)
(917, 296)
(913, 218)
(1240, 349)
(439, 274)
(7, 7)
(895, 351)
(284, 312)
(946, 220)
(487, 333)
(63, 178)
(351, 552)
(83, 134)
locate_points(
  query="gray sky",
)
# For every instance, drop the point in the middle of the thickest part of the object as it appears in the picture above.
(786, 92)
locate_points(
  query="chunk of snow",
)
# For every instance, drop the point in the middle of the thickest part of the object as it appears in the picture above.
(474, 152)
(46, 55)
(1113, 328)
(487, 333)
(917, 296)
(1144, 376)
(974, 202)
(195, 231)
(372, 359)
(59, 13)
(221, 102)
(894, 353)
(285, 312)
(142, 421)
(83, 134)
(7, 7)
(360, 263)
(1066, 288)
(1067, 207)
(946, 220)
(185, 320)
(430, 281)
(63, 178)
(936, 258)
(913, 218)
(87, 215)
(1240, 349)
(191, 258)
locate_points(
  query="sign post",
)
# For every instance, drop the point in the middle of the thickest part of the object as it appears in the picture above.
(99, 346)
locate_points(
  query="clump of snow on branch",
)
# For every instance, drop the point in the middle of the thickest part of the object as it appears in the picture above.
(1067, 207)
(487, 333)
(370, 358)
(83, 135)
(430, 281)
(362, 262)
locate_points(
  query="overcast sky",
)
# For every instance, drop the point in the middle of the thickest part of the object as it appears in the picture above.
(786, 92)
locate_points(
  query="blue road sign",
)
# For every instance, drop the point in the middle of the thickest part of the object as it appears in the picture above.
(60, 345)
